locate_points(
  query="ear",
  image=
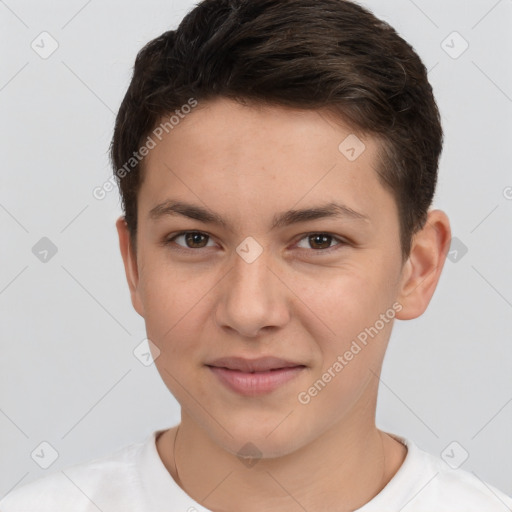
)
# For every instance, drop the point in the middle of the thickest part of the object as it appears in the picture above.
(422, 270)
(130, 264)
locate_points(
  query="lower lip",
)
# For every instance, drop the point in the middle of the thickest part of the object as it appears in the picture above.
(257, 383)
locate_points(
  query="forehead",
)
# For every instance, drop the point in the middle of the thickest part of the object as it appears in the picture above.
(225, 129)
(257, 158)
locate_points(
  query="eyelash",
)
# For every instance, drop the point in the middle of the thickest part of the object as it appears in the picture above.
(179, 248)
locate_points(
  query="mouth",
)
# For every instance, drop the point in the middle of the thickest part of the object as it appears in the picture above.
(252, 377)
(261, 364)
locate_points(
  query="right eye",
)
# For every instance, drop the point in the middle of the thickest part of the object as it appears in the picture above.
(192, 240)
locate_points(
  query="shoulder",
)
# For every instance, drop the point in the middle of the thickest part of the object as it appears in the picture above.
(88, 486)
(462, 490)
(454, 483)
(426, 482)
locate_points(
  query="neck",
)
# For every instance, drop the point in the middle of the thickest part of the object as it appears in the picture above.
(340, 470)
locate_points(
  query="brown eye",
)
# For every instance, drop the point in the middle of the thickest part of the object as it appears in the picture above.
(195, 240)
(192, 239)
(319, 242)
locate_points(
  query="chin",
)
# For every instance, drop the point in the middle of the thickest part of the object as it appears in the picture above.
(262, 439)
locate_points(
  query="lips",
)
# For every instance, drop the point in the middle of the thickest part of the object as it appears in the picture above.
(262, 364)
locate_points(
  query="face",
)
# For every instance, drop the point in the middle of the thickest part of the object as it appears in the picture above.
(229, 273)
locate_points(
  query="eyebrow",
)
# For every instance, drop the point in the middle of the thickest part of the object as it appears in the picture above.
(191, 211)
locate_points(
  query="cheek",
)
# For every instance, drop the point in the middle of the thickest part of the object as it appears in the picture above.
(351, 355)
(170, 300)
(347, 326)
(173, 305)
(344, 301)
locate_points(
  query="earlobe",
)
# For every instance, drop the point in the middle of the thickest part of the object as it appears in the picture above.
(423, 268)
(130, 264)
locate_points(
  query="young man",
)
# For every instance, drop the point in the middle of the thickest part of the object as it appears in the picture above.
(277, 161)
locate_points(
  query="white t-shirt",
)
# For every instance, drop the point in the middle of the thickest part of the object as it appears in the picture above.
(134, 479)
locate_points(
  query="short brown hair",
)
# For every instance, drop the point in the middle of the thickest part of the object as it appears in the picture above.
(306, 54)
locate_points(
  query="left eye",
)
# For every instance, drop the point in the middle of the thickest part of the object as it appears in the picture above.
(319, 241)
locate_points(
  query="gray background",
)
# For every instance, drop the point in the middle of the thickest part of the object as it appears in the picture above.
(68, 374)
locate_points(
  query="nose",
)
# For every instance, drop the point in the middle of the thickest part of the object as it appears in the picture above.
(253, 298)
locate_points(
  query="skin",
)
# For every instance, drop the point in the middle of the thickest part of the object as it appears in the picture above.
(247, 164)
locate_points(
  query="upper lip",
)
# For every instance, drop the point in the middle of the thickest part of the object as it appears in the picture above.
(260, 364)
